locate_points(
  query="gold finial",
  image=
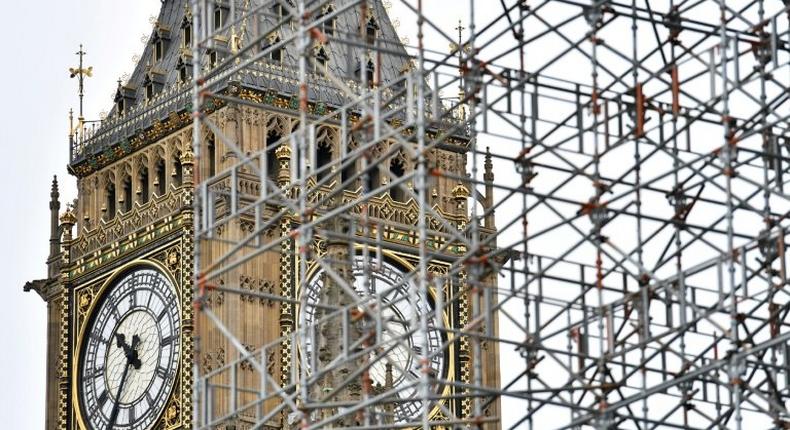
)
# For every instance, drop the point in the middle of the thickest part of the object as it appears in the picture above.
(68, 217)
(187, 157)
(81, 73)
(283, 152)
(460, 192)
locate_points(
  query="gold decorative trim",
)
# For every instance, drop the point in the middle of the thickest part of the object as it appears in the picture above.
(96, 289)
(125, 227)
(286, 309)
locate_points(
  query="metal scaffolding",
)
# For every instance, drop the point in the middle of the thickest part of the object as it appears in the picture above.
(622, 244)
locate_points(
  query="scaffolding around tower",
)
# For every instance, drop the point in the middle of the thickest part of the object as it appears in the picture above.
(590, 233)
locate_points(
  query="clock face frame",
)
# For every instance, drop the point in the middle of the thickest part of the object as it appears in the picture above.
(130, 352)
(398, 305)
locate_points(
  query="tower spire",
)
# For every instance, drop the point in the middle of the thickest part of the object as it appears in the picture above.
(488, 177)
(54, 235)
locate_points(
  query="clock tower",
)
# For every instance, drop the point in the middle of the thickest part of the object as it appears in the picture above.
(138, 340)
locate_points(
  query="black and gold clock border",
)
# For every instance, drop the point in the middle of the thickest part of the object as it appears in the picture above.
(173, 257)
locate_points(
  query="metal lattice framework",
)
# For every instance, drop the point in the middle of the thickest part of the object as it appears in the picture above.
(636, 276)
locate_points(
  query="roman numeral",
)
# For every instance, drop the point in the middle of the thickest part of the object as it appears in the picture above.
(168, 340)
(94, 373)
(131, 414)
(148, 399)
(102, 398)
(161, 372)
(162, 314)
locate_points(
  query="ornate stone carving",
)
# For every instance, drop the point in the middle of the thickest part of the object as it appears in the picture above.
(213, 360)
(246, 365)
(123, 225)
(256, 286)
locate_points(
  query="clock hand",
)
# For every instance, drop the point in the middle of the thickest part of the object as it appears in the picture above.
(131, 360)
(115, 407)
(121, 340)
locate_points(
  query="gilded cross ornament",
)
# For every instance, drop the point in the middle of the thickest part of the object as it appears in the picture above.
(81, 72)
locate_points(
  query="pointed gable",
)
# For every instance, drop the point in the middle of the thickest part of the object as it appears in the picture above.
(160, 83)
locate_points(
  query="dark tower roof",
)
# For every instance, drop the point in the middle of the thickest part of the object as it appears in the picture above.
(156, 89)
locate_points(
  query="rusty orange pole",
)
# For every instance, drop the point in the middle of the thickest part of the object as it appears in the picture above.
(675, 91)
(640, 111)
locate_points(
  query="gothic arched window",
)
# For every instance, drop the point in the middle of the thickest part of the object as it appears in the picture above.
(161, 178)
(374, 177)
(109, 203)
(211, 156)
(276, 54)
(322, 159)
(328, 26)
(218, 17)
(158, 47)
(272, 164)
(398, 170)
(178, 172)
(370, 73)
(184, 67)
(126, 197)
(371, 30)
(142, 187)
(321, 57)
(186, 33)
(148, 84)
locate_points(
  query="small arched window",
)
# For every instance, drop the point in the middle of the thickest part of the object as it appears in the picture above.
(272, 164)
(126, 197)
(148, 87)
(370, 73)
(371, 30)
(374, 177)
(328, 26)
(142, 187)
(321, 58)
(280, 11)
(153, 84)
(218, 18)
(159, 48)
(347, 173)
(178, 172)
(186, 33)
(109, 203)
(184, 67)
(398, 170)
(160, 180)
(276, 54)
(322, 160)
(211, 155)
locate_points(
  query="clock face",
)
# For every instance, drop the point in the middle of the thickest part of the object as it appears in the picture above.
(398, 306)
(130, 353)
